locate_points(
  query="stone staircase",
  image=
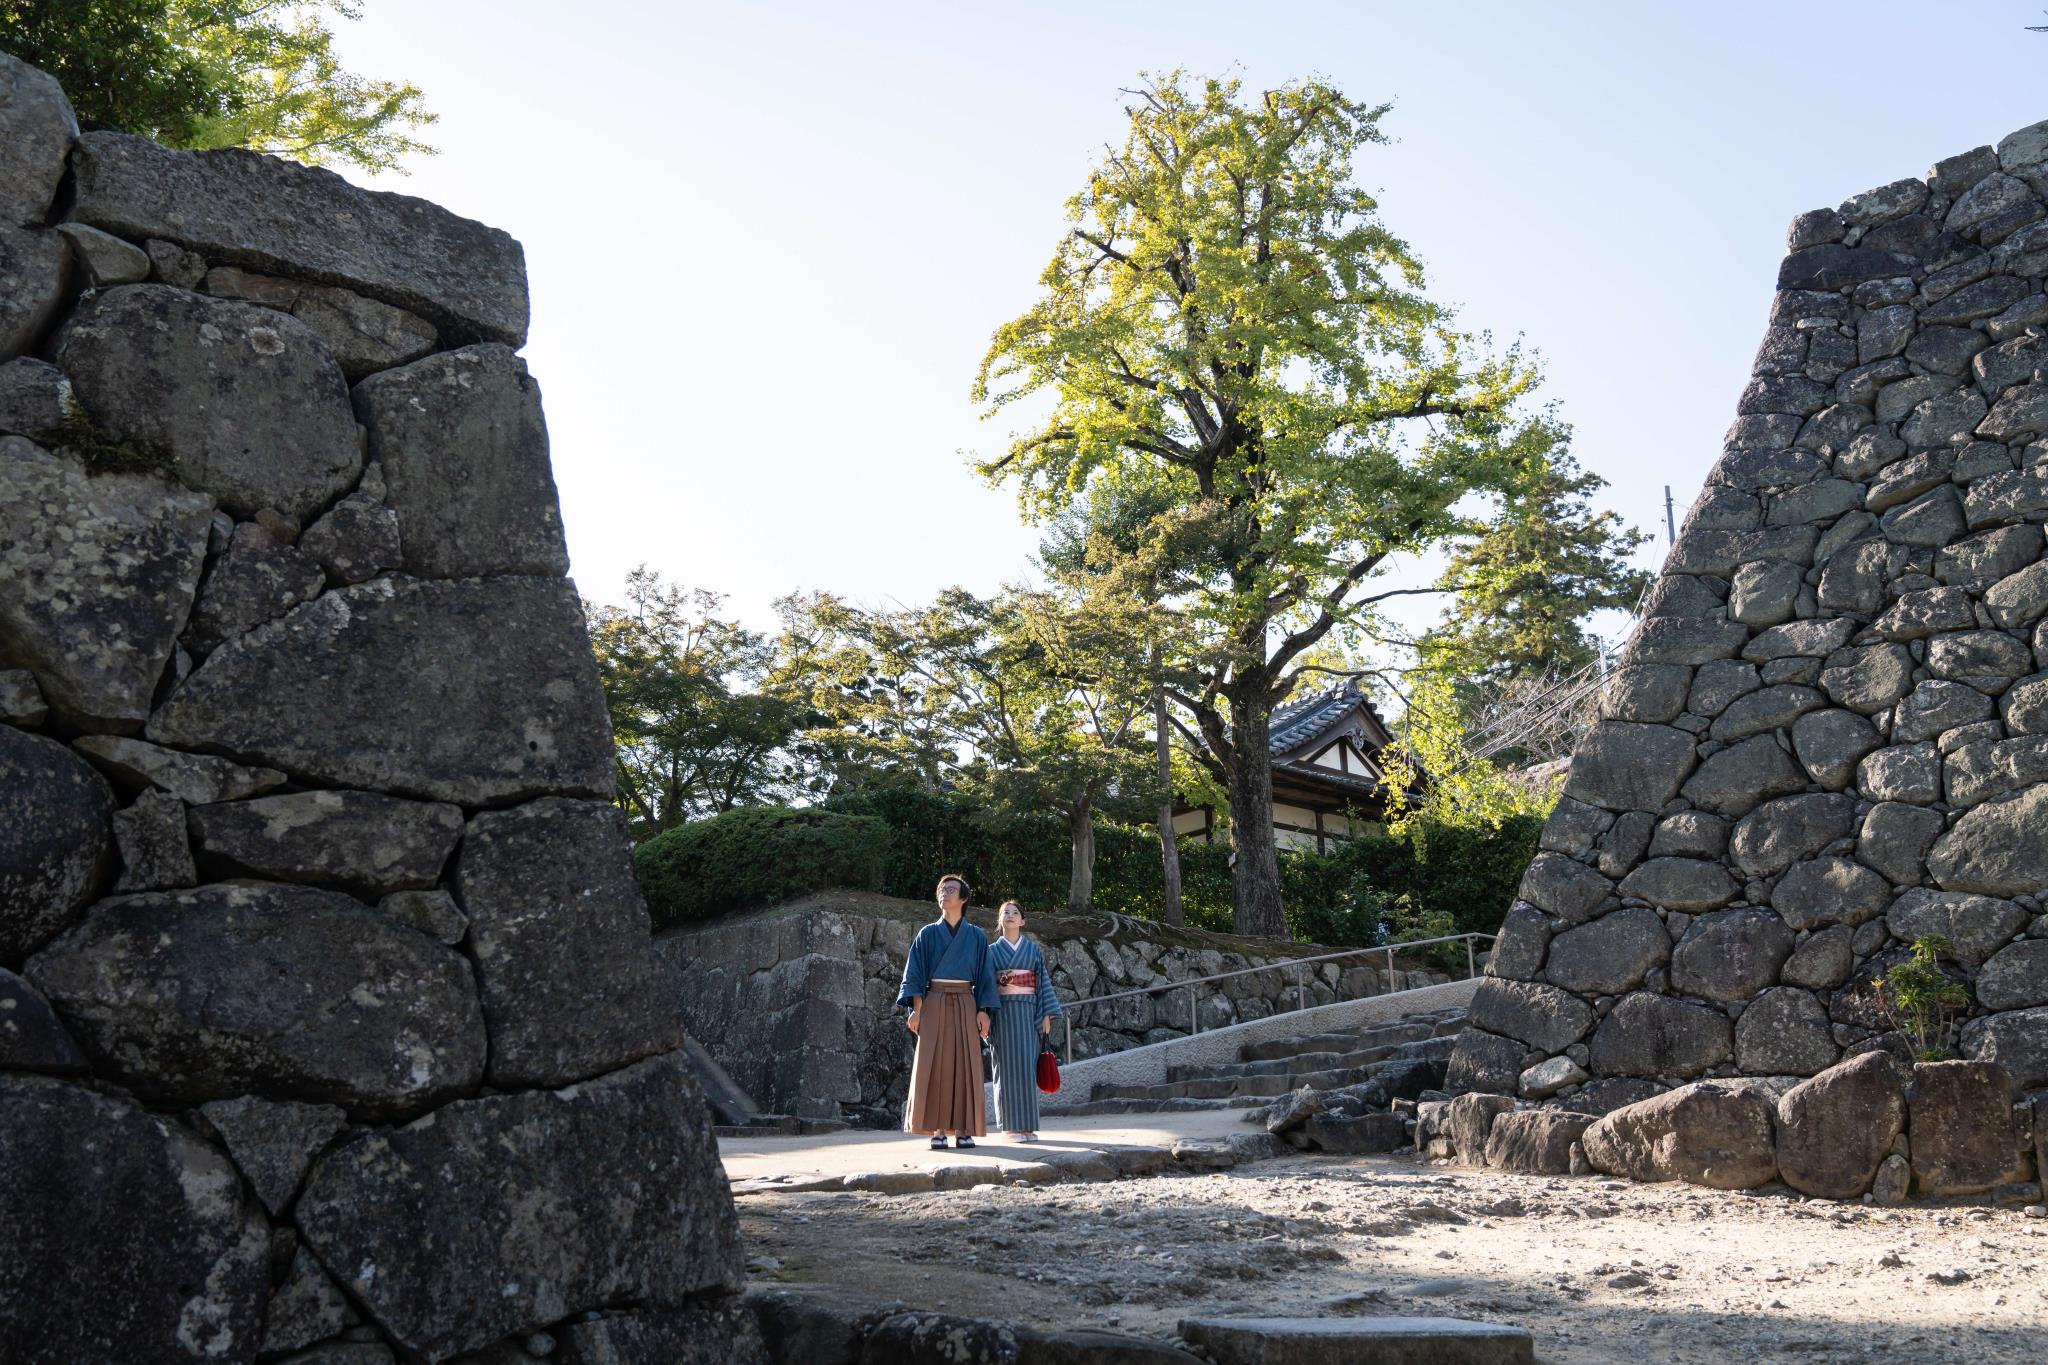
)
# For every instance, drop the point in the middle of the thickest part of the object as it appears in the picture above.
(1267, 1070)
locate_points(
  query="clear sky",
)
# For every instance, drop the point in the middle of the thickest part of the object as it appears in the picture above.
(768, 243)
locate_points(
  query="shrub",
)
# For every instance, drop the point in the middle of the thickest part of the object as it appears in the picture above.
(758, 856)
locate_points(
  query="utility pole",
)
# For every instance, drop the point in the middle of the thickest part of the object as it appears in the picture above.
(1670, 522)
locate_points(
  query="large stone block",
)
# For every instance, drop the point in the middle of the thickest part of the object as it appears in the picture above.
(1895, 840)
(1777, 834)
(1833, 1130)
(571, 983)
(1484, 1062)
(1784, 1032)
(127, 1238)
(1621, 765)
(265, 213)
(718, 1333)
(37, 129)
(239, 402)
(1687, 884)
(1700, 1134)
(257, 578)
(1566, 888)
(381, 685)
(99, 572)
(1975, 926)
(2016, 1040)
(540, 1197)
(1959, 1118)
(56, 839)
(1823, 891)
(1735, 779)
(35, 400)
(273, 1141)
(1999, 848)
(1831, 743)
(32, 1038)
(196, 779)
(2015, 977)
(35, 267)
(1653, 1035)
(286, 991)
(362, 841)
(1524, 940)
(1731, 954)
(1536, 1141)
(1610, 955)
(363, 335)
(1544, 1017)
(464, 450)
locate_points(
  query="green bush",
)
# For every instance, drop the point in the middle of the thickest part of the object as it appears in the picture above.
(1367, 890)
(758, 856)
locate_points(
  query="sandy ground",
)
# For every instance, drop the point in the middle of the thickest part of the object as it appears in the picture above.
(847, 1153)
(1600, 1270)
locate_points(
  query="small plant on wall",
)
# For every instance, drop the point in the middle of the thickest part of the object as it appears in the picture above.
(1921, 1000)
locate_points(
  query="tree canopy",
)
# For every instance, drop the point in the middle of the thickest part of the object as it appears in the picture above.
(261, 74)
(694, 730)
(1227, 332)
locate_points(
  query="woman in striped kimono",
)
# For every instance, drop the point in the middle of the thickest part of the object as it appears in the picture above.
(1025, 987)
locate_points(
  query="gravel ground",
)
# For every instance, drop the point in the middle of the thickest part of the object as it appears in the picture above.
(1600, 1270)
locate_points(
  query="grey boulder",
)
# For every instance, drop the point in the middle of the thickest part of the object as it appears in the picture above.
(1652, 1035)
(158, 1254)
(565, 957)
(1543, 1017)
(35, 401)
(1732, 781)
(156, 855)
(378, 686)
(56, 839)
(1687, 884)
(238, 402)
(101, 570)
(416, 1219)
(1975, 926)
(1535, 1141)
(40, 129)
(1835, 1129)
(355, 539)
(267, 213)
(196, 779)
(1731, 954)
(273, 1142)
(362, 841)
(1959, 1115)
(1999, 848)
(1700, 1134)
(2016, 1040)
(1784, 1032)
(1777, 834)
(34, 269)
(1621, 765)
(258, 578)
(2015, 977)
(32, 1038)
(286, 991)
(464, 450)
(1608, 956)
(363, 335)
(1824, 891)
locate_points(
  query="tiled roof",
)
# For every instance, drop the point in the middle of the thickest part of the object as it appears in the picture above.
(1298, 722)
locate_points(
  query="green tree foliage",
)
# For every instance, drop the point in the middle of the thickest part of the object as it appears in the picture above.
(694, 728)
(755, 857)
(1035, 698)
(261, 74)
(1227, 329)
(1524, 585)
(1433, 777)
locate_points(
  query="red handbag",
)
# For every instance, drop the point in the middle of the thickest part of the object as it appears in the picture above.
(1048, 1069)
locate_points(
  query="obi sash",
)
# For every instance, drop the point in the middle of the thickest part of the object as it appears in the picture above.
(1016, 982)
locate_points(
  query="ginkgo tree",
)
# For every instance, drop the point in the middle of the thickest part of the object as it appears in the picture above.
(1227, 329)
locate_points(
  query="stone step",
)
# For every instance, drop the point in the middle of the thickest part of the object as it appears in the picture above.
(1380, 1035)
(1084, 1108)
(1297, 1064)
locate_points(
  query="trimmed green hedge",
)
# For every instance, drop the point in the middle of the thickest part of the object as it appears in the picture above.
(755, 856)
(1436, 880)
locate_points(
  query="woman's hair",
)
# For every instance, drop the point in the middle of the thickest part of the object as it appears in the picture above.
(1006, 907)
(940, 889)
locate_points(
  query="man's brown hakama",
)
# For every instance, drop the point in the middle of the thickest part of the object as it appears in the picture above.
(945, 1079)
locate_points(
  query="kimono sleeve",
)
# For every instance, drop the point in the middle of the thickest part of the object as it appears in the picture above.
(917, 969)
(985, 997)
(1048, 998)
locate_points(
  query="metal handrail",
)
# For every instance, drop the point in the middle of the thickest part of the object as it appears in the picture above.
(1294, 964)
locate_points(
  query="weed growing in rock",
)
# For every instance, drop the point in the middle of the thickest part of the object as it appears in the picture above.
(1921, 1000)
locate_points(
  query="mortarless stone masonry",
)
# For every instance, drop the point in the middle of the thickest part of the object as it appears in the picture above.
(372, 1052)
(1834, 714)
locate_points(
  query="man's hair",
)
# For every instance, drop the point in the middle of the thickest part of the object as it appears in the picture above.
(953, 877)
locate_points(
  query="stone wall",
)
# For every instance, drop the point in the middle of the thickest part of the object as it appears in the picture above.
(798, 1003)
(1830, 735)
(328, 1005)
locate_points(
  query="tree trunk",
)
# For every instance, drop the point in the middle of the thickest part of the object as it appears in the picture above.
(1081, 887)
(1255, 870)
(1169, 843)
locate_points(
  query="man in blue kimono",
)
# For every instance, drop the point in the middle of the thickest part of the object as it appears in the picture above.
(950, 987)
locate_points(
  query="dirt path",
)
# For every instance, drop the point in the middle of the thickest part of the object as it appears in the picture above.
(1600, 1270)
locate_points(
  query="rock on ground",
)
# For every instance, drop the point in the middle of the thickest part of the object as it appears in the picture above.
(1835, 1129)
(1698, 1133)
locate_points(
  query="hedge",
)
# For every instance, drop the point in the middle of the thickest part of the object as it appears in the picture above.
(755, 856)
(1437, 879)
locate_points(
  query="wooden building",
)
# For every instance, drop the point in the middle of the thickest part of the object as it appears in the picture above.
(1326, 774)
